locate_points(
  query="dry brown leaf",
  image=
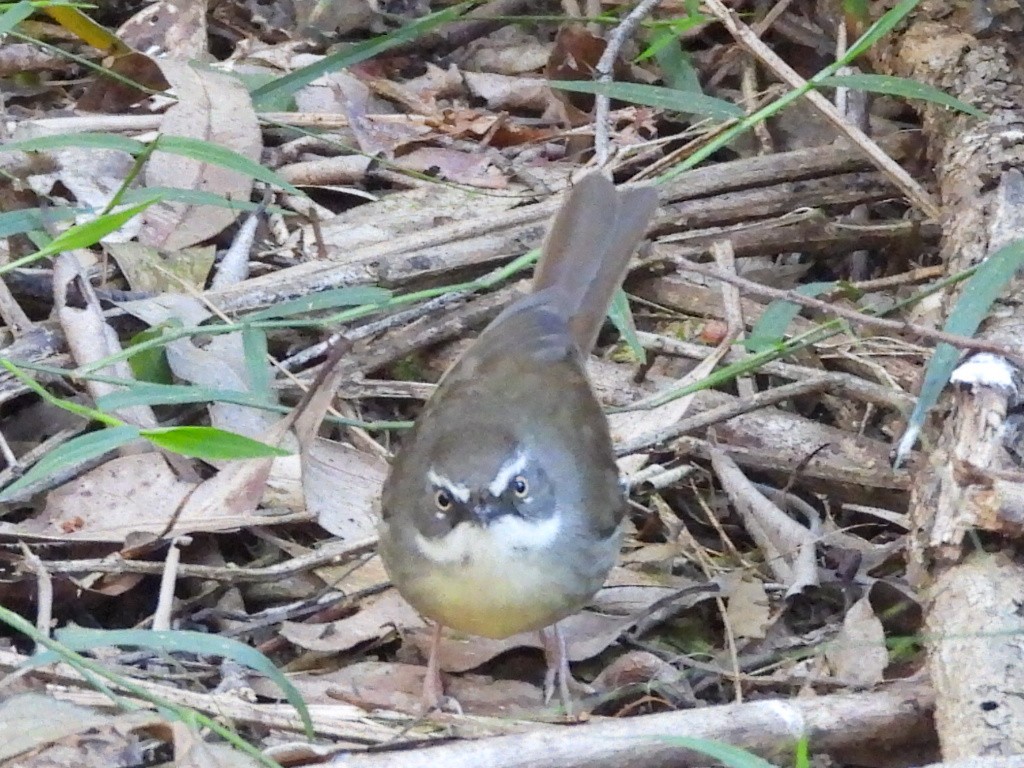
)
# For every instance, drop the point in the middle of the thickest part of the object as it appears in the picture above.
(749, 610)
(858, 653)
(342, 486)
(176, 28)
(473, 169)
(37, 730)
(375, 619)
(399, 687)
(105, 94)
(586, 634)
(125, 495)
(149, 269)
(91, 176)
(90, 337)
(512, 94)
(215, 108)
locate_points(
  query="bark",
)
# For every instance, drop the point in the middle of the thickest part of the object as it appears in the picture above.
(976, 655)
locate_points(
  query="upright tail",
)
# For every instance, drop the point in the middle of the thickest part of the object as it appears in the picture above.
(586, 252)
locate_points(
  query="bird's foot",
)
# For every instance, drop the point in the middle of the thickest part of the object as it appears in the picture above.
(557, 674)
(434, 698)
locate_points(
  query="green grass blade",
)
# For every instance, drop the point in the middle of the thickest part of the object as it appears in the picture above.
(622, 318)
(354, 54)
(182, 641)
(982, 289)
(74, 451)
(75, 140)
(352, 296)
(175, 394)
(210, 443)
(655, 96)
(14, 15)
(215, 154)
(80, 236)
(770, 328)
(900, 86)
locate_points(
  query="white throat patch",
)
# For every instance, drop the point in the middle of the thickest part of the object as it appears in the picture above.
(508, 537)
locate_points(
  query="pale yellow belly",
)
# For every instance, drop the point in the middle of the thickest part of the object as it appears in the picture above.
(484, 601)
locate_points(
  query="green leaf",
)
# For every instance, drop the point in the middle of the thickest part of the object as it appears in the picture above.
(727, 754)
(976, 299)
(354, 54)
(80, 236)
(174, 394)
(254, 349)
(215, 154)
(200, 197)
(675, 63)
(622, 318)
(78, 140)
(32, 219)
(150, 364)
(14, 15)
(210, 443)
(74, 451)
(880, 28)
(182, 641)
(338, 297)
(655, 96)
(899, 86)
(771, 327)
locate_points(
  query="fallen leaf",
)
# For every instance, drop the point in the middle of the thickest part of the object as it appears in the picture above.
(858, 654)
(216, 108)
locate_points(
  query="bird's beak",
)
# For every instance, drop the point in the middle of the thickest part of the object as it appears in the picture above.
(486, 511)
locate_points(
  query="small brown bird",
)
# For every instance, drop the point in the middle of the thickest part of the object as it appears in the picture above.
(503, 511)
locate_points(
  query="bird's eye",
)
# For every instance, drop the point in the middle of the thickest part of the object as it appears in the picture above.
(443, 500)
(520, 487)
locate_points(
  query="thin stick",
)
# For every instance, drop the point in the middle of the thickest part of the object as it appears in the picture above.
(859, 318)
(899, 177)
(605, 66)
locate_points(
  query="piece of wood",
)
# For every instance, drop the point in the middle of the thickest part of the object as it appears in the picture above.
(886, 719)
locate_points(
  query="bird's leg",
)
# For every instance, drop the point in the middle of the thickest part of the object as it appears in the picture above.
(433, 688)
(558, 666)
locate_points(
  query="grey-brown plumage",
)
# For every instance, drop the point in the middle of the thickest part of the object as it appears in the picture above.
(502, 511)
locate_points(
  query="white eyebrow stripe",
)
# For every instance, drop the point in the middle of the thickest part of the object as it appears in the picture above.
(507, 471)
(460, 492)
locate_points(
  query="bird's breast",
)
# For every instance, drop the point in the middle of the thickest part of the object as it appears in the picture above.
(498, 580)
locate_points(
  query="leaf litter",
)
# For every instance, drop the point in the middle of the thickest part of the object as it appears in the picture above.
(756, 569)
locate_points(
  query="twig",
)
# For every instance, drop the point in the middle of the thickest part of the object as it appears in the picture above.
(168, 580)
(899, 177)
(44, 591)
(605, 66)
(723, 413)
(328, 555)
(859, 318)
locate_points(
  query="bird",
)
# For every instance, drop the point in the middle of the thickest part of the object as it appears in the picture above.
(503, 510)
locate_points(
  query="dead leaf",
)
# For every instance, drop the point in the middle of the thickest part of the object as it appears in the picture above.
(749, 609)
(216, 108)
(473, 169)
(342, 486)
(376, 618)
(858, 654)
(38, 730)
(176, 28)
(153, 270)
(399, 687)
